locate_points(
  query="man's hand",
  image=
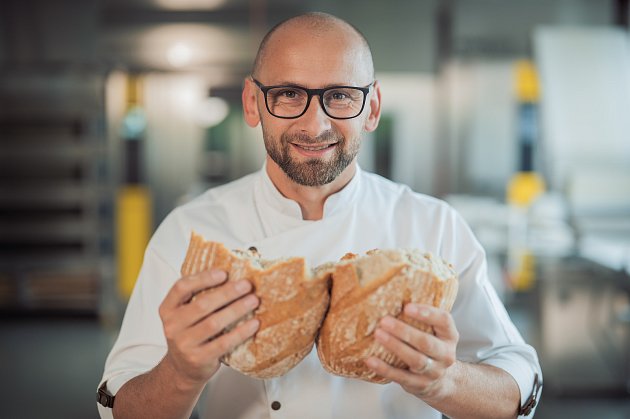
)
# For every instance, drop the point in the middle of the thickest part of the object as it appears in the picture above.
(428, 356)
(193, 326)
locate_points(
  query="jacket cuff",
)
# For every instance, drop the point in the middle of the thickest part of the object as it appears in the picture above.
(529, 383)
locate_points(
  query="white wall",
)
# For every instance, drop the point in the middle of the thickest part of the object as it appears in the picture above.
(410, 99)
(482, 134)
(585, 76)
(173, 138)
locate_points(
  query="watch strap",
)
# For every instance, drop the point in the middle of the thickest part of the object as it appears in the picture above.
(531, 401)
(104, 397)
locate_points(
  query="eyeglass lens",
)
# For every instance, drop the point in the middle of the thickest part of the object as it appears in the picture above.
(343, 102)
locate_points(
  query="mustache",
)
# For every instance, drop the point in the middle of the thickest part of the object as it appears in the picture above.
(325, 137)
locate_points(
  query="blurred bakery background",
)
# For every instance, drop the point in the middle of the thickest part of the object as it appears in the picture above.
(112, 112)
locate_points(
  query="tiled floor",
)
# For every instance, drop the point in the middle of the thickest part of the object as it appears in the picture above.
(49, 368)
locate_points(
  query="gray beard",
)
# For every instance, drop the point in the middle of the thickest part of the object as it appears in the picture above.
(312, 172)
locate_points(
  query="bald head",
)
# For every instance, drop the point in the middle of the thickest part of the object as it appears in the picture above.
(316, 24)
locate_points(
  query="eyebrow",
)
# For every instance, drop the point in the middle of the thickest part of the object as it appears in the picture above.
(326, 86)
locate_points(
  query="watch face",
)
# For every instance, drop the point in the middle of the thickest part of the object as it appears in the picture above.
(104, 399)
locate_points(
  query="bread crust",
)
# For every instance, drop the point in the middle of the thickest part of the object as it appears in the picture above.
(294, 305)
(366, 289)
(291, 310)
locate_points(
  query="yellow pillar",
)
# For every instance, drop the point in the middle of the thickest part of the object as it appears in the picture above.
(524, 187)
(133, 230)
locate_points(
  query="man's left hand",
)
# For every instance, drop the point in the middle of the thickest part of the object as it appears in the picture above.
(429, 356)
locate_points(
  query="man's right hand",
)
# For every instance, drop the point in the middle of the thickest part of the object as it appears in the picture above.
(194, 326)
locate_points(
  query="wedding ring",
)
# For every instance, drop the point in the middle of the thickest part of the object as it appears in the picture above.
(427, 365)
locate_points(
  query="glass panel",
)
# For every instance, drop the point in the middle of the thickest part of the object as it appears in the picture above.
(343, 97)
(343, 102)
(286, 101)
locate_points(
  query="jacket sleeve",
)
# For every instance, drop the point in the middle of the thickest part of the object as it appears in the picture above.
(487, 334)
(141, 343)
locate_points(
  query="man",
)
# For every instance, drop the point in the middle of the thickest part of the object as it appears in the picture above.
(311, 199)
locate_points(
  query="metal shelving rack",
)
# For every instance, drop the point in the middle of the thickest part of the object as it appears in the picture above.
(55, 202)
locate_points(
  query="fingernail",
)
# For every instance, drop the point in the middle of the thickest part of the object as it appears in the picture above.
(251, 301)
(415, 310)
(371, 362)
(253, 325)
(243, 285)
(387, 322)
(412, 309)
(381, 335)
(218, 275)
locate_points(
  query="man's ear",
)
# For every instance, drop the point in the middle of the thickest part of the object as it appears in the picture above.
(374, 106)
(250, 103)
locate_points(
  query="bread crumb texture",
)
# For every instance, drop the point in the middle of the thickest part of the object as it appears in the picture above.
(342, 301)
(364, 290)
(293, 301)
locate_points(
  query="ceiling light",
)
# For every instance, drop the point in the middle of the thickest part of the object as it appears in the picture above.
(190, 4)
(212, 111)
(179, 54)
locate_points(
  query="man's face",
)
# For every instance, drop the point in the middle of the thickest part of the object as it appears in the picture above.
(308, 160)
(314, 149)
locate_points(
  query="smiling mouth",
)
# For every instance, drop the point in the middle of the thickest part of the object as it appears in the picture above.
(314, 147)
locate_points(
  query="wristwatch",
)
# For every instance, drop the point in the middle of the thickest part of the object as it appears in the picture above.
(104, 397)
(531, 401)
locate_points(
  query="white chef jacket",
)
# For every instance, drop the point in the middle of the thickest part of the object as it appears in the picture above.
(370, 212)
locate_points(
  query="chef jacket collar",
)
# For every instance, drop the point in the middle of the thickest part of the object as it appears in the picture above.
(335, 203)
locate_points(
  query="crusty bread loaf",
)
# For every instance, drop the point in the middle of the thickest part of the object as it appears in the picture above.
(366, 289)
(293, 302)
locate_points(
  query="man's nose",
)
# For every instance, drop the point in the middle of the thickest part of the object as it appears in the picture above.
(314, 121)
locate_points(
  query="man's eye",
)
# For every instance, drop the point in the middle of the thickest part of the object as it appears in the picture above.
(288, 94)
(339, 96)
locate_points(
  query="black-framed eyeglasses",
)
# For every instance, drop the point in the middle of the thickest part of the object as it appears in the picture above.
(291, 101)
